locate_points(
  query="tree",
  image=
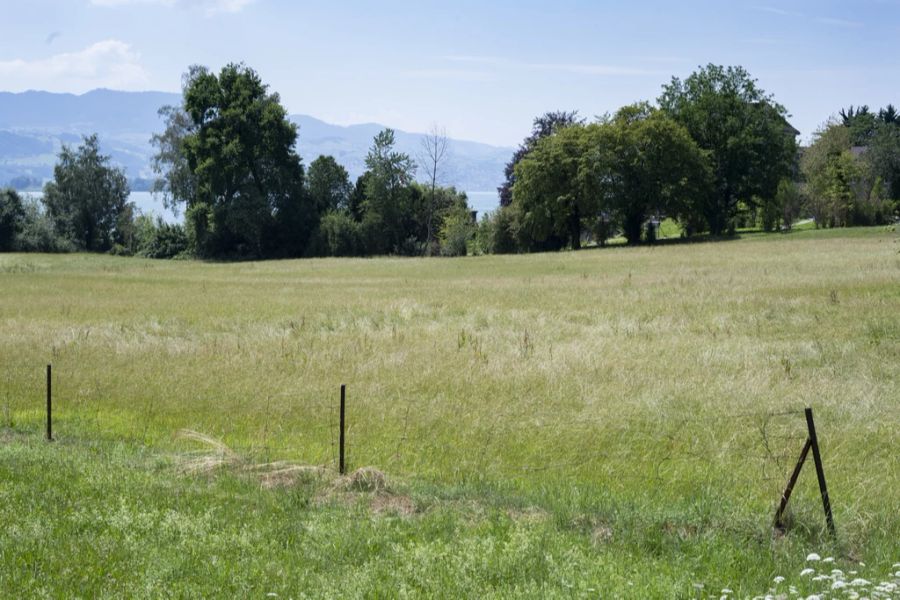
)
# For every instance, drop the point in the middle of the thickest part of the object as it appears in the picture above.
(548, 193)
(842, 188)
(861, 123)
(888, 115)
(457, 229)
(329, 185)
(641, 163)
(175, 182)
(543, 126)
(234, 165)
(750, 144)
(435, 148)
(87, 197)
(387, 195)
(12, 217)
(789, 199)
(883, 156)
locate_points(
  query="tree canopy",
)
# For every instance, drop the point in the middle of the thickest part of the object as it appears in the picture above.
(87, 201)
(229, 154)
(744, 131)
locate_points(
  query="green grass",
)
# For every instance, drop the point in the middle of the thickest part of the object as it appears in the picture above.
(571, 424)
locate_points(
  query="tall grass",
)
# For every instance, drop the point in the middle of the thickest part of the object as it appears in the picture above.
(651, 396)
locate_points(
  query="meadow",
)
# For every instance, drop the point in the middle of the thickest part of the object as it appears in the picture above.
(612, 422)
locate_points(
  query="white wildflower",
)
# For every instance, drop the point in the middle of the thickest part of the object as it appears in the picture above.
(813, 557)
(778, 579)
(807, 571)
(830, 559)
(726, 591)
(860, 582)
(838, 585)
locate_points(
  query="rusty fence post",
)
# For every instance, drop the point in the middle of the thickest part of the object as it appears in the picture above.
(341, 465)
(811, 443)
(820, 471)
(49, 403)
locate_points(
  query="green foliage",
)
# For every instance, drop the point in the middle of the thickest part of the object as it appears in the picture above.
(387, 196)
(87, 197)
(456, 231)
(543, 126)
(175, 180)
(883, 155)
(498, 232)
(641, 163)
(38, 232)
(744, 131)
(860, 123)
(158, 239)
(244, 180)
(329, 185)
(341, 235)
(613, 174)
(12, 217)
(847, 188)
(548, 191)
(783, 209)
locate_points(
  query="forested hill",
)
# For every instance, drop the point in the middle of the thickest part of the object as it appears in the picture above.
(34, 125)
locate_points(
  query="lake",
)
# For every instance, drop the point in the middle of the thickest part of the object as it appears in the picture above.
(483, 201)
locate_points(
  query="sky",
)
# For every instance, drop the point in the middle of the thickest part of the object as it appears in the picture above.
(480, 69)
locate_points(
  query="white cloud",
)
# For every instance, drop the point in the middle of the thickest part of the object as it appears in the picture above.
(110, 63)
(210, 7)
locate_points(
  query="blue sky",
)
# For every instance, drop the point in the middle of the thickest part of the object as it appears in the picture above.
(481, 69)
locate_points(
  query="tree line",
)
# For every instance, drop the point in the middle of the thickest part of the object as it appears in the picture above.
(714, 153)
(227, 160)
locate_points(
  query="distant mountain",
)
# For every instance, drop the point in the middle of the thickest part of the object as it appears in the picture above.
(34, 125)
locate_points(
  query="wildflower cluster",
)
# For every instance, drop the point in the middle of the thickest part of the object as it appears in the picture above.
(820, 579)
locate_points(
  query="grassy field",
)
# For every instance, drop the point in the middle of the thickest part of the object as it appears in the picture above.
(606, 423)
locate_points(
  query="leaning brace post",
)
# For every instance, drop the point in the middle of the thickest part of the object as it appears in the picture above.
(789, 488)
(341, 439)
(49, 403)
(820, 472)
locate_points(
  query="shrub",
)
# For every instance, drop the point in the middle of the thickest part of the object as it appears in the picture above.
(455, 233)
(38, 233)
(340, 235)
(498, 232)
(168, 241)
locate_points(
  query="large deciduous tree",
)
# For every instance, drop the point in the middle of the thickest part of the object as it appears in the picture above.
(642, 164)
(543, 126)
(229, 154)
(548, 194)
(87, 200)
(750, 144)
